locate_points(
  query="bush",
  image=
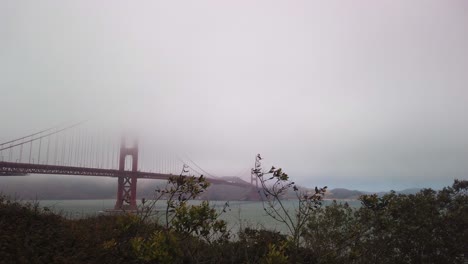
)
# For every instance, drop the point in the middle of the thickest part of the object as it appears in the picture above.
(427, 227)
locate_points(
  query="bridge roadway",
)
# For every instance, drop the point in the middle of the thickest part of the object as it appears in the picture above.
(15, 169)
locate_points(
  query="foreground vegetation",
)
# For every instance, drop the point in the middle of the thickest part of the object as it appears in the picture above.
(427, 227)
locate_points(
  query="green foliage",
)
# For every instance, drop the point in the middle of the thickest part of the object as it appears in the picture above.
(190, 226)
(160, 246)
(177, 192)
(190, 219)
(275, 184)
(255, 244)
(330, 232)
(427, 227)
(420, 228)
(275, 255)
(199, 220)
(25, 230)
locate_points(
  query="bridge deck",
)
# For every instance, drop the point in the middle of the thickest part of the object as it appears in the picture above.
(21, 169)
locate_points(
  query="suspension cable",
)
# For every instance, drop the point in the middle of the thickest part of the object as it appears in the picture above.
(196, 165)
(37, 138)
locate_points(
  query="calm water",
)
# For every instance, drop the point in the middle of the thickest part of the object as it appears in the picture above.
(238, 214)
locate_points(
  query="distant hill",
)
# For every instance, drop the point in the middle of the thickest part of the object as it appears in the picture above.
(409, 191)
(346, 194)
(68, 188)
(63, 188)
(342, 193)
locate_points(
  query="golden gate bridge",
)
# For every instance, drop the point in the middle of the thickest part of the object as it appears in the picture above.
(69, 150)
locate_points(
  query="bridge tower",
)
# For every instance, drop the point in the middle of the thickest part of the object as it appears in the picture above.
(254, 194)
(253, 179)
(127, 181)
(254, 191)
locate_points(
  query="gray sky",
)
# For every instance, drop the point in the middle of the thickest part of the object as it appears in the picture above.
(369, 95)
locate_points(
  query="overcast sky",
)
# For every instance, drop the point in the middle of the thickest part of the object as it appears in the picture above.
(368, 95)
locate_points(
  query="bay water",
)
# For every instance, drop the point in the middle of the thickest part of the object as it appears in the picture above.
(238, 215)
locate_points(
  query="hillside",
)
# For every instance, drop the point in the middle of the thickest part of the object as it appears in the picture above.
(342, 193)
(60, 188)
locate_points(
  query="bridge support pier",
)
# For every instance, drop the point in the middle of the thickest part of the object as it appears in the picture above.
(127, 181)
(254, 194)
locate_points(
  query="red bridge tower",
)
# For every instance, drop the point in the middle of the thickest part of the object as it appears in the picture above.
(126, 189)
